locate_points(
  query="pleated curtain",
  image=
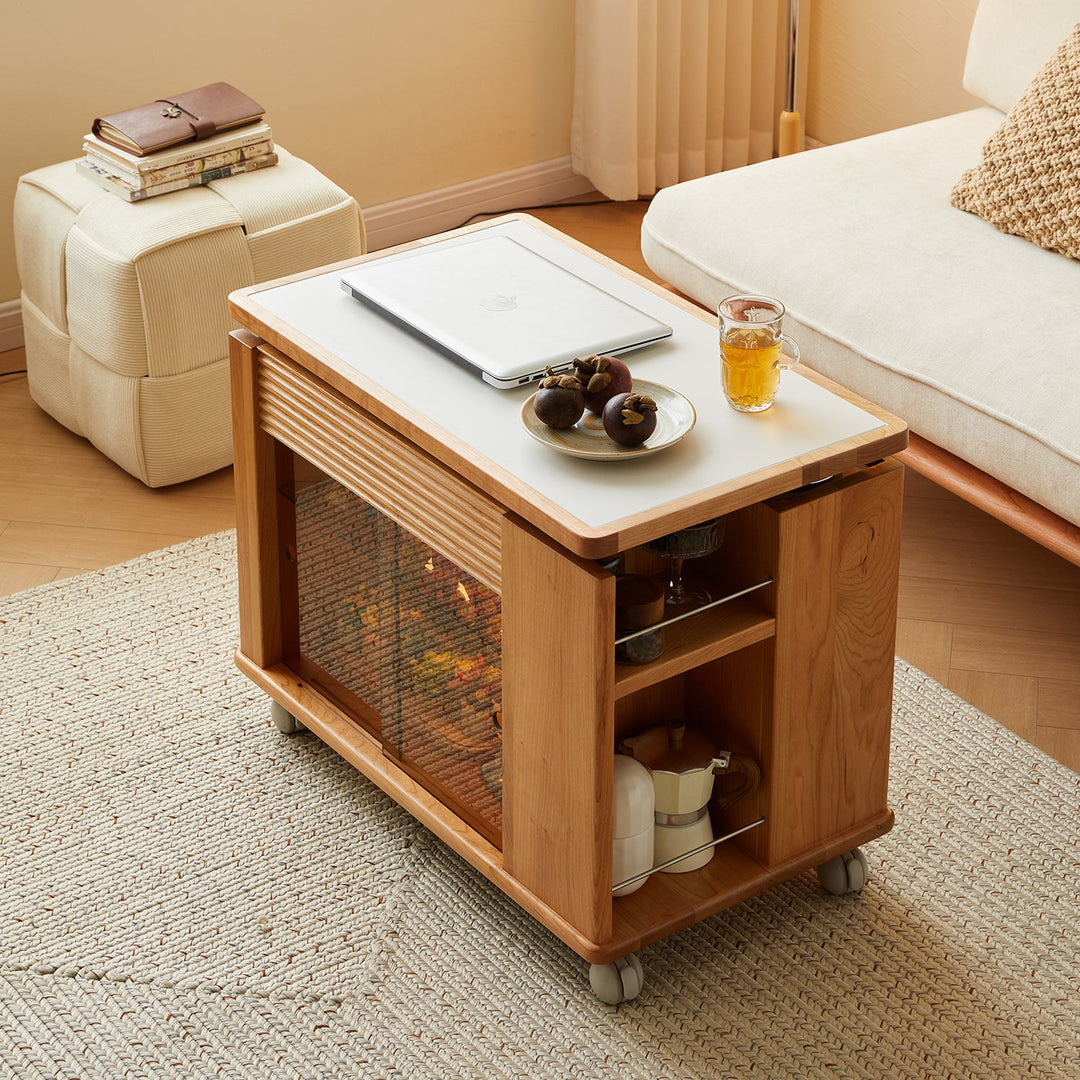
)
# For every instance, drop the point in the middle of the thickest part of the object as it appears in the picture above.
(670, 90)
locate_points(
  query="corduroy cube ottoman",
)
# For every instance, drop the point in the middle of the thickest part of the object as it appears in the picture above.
(125, 309)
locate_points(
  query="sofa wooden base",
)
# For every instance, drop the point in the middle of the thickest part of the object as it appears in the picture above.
(993, 497)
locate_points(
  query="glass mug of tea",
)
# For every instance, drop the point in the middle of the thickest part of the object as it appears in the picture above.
(751, 350)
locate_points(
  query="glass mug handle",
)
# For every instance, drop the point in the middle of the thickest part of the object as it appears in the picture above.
(787, 361)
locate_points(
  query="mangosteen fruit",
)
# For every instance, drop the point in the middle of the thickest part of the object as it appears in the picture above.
(602, 377)
(629, 419)
(559, 401)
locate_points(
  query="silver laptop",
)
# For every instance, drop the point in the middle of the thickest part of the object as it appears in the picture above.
(500, 308)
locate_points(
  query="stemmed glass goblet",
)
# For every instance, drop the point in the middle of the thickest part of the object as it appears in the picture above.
(694, 542)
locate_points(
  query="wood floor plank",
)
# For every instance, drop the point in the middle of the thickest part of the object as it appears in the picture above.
(84, 547)
(18, 407)
(31, 427)
(43, 463)
(1011, 565)
(927, 645)
(954, 519)
(12, 361)
(131, 507)
(15, 577)
(613, 228)
(1045, 610)
(917, 486)
(215, 485)
(958, 522)
(1063, 744)
(68, 572)
(1059, 703)
(34, 444)
(1014, 652)
(81, 464)
(1012, 700)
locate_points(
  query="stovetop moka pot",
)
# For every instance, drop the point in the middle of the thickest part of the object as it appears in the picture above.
(684, 763)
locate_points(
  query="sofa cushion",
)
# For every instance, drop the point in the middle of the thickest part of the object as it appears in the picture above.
(1027, 182)
(1009, 43)
(896, 294)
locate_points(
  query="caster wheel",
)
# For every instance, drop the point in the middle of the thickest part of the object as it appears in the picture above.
(617, 982)
(845, 874)
(284, 720)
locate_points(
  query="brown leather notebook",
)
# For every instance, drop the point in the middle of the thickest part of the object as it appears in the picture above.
(195, 114)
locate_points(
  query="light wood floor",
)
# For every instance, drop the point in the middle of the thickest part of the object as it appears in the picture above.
(984, 611)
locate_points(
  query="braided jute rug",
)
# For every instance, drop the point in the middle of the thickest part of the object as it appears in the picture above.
(186, 892)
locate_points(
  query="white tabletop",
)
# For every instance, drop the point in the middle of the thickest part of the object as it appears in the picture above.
(723, 446)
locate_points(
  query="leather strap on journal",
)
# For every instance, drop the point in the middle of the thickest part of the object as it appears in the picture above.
(202, 126)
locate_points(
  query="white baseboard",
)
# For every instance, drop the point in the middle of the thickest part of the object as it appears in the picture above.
(11, 332)
(403, 220)
(11, 327)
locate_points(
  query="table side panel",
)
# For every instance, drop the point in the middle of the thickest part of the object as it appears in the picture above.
(558, 739)
(836, 618)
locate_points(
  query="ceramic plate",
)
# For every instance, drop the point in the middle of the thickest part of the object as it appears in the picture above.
(675, 417)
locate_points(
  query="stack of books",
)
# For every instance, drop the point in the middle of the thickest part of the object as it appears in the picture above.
(141, 176)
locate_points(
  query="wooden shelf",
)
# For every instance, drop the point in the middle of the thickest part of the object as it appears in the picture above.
(692, 642)
(667, 903)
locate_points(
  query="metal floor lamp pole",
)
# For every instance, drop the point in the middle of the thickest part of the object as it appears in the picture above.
(789, 139)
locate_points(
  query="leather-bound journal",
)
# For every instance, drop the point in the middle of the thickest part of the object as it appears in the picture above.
(171, 121)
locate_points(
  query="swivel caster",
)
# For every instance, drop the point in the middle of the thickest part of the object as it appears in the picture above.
(618, 981)
(845, 874)
(284, 720)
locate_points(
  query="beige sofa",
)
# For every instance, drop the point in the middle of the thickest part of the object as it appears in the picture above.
(969, 333)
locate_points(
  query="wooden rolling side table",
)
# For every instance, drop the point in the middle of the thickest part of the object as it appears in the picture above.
(427, 589)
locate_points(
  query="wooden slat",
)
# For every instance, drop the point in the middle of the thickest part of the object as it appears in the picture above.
(381, 467)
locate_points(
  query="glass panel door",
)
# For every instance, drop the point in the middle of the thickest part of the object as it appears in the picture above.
(406, 641)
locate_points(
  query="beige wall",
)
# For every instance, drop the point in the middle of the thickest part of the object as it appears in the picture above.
(877, 65)
(389, 98)
(392, 99)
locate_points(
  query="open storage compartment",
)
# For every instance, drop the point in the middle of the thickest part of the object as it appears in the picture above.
(794, 670)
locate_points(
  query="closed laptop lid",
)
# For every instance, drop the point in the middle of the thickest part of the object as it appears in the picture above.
(500, 308)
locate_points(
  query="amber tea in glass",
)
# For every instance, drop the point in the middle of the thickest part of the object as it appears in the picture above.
(751, 350)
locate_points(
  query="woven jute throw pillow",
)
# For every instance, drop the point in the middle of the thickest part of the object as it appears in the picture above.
(1029, 181)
